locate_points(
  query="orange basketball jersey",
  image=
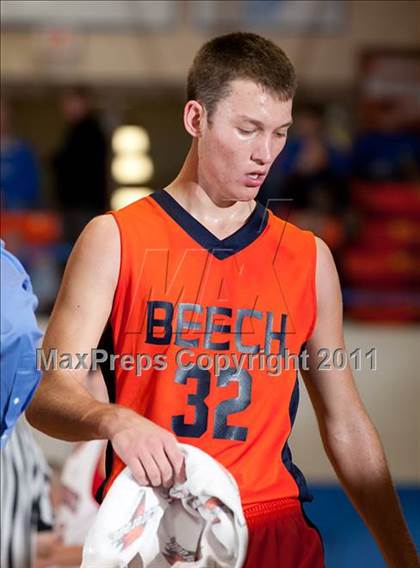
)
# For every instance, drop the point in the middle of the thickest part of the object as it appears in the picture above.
(207, 333)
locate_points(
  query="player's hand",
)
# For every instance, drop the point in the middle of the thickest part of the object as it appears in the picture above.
(151, 452)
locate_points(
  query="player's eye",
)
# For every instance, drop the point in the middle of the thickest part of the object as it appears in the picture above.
(281, 134)
(243, 131)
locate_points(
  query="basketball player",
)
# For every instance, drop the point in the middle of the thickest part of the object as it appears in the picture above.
(198, 270)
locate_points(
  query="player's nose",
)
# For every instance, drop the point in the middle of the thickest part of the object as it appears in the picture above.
(262, 153)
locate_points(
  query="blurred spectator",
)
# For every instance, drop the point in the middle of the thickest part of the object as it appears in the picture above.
(19, 175)
(75, 504)
(25, 500)
(311, 174)
(380, 266)
(19, 338)
(80, 164)
(81, 476)
(387, 149)
(24, 476)
(311, 170)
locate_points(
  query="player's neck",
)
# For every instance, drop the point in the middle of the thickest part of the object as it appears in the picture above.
(220, 217)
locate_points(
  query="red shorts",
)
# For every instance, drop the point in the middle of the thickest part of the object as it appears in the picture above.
(281, 535)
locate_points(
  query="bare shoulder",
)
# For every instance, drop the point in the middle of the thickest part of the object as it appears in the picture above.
(97, 249)
(328, 328)
(325, 259)
(93, 267)
(100, 234)
(327, 280)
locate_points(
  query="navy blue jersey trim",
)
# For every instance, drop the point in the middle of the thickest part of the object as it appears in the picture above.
(312, 525)
(286, 454)
(220, 248)
(107, 343)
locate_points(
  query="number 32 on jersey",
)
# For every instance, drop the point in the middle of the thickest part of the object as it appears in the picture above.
(222, 411)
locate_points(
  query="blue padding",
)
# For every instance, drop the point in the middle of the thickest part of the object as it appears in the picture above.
(347, 541)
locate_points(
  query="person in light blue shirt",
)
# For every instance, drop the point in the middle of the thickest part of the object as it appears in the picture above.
(19, 339)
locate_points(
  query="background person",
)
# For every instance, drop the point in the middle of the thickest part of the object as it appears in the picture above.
(80, 163)
(19, 169)
(24, 479)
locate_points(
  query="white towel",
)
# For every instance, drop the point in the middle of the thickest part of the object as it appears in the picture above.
(199, 523)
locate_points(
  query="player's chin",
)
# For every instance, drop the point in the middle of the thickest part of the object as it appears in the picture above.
(246, 193)
(239, 192)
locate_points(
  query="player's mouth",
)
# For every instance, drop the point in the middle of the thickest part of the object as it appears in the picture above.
(254, 179)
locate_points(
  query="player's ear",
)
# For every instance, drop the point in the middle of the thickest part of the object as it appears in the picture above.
(194, 115)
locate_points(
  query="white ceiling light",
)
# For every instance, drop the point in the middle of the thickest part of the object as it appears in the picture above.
(132, 169)
(130, 140)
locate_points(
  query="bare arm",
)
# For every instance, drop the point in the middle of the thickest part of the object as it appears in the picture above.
(349, 437)
(62, 407)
